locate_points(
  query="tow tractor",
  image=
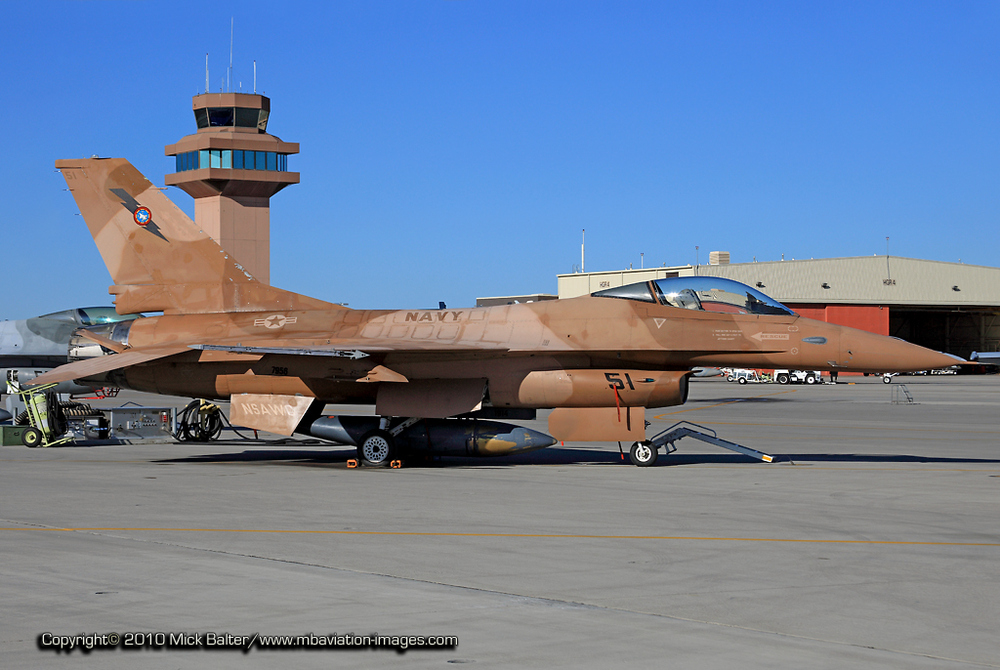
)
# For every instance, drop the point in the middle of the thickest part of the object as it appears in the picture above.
(798, 376)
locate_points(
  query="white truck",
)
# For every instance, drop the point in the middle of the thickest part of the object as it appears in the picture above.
(743, 376)
(798, 376)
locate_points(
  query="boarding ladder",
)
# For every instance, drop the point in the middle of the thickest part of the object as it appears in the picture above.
(901, 395)
(681, 429)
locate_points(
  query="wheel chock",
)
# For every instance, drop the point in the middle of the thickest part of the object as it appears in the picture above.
(352, 462)
(396, 465)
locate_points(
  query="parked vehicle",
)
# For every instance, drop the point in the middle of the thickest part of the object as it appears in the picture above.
(798, 376)
(742, 376)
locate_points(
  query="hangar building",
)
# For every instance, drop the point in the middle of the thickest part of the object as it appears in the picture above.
(950, 307)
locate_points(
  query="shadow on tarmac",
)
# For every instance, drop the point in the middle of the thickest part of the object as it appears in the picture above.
(337, 456)
(722, 401)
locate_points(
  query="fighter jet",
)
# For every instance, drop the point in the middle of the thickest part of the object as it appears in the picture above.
(436, 378)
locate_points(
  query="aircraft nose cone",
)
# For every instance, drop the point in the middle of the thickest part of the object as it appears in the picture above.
(866, 352)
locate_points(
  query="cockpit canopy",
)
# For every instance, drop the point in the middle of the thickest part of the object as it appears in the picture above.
(708, 294)
(90, 316)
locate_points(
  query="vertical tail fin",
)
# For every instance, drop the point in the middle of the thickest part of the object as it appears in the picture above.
(158, 259)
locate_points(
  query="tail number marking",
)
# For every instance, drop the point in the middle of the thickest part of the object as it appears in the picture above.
(615, 381)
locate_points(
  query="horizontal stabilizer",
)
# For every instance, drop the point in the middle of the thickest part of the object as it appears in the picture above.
(95, 366)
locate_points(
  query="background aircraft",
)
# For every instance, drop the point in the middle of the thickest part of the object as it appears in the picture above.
(436, 377)
(30, 347)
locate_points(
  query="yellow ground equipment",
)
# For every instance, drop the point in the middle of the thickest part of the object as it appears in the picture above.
(47, 425)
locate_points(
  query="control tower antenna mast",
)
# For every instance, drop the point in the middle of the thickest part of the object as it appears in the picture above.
(206, 73)
(229, 75)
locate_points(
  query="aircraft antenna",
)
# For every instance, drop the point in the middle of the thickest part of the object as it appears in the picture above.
(206, 73)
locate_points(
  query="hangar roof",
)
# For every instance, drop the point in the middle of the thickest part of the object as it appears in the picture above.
(882, 280)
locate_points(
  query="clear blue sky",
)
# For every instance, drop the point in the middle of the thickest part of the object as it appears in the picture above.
(455, 148)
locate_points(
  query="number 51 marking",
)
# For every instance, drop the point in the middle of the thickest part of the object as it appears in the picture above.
(615, 380)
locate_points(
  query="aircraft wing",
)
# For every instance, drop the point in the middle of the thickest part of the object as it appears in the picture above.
(356, 349)
(95, 366)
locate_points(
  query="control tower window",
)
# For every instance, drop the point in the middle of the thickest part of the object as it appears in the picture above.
(226, 159)
(251, 118)
(221, 117)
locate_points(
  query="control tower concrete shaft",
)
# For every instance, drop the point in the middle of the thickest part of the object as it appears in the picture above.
(232, 167)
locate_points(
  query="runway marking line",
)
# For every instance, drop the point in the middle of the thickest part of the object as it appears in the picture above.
(553, 536)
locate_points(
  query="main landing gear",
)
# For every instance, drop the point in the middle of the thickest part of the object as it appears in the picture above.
(378, 447)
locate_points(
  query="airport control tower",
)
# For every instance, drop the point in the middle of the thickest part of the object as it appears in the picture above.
(232, 167)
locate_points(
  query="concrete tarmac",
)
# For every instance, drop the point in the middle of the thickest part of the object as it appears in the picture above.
(872, 541)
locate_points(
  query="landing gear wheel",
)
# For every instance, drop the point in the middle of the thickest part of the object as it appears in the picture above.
(376, 448)
(642, 454)
(31, 437)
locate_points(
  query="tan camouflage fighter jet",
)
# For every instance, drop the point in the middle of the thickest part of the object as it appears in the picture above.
(435, 377)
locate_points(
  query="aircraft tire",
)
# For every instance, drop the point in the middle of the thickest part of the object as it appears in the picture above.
(782, 379)
(31, 437)
(642, 454)
(376, 447)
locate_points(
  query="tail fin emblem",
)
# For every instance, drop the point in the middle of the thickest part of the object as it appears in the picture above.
(142, 216)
